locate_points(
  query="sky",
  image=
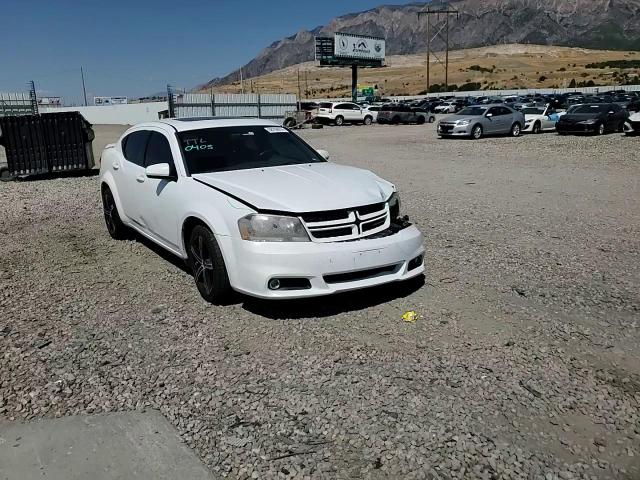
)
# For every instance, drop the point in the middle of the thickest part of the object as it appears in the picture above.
(135, 48)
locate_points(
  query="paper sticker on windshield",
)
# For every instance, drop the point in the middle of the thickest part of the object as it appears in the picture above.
(276, 130)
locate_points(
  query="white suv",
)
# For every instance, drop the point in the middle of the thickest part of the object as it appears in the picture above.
(343, 112)
(251, 207)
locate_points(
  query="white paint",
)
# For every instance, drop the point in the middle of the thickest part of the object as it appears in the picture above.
(129, 114)
(227, 200)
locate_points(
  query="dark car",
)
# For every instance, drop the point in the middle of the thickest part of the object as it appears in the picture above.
(399, 113)
(595, 118)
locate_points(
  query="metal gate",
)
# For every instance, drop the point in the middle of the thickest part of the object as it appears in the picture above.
(230, 105)
(22, 103)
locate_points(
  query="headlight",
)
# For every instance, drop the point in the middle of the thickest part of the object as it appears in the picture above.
(588, 122)
(272, 228)
(462, 123)
(394, 205)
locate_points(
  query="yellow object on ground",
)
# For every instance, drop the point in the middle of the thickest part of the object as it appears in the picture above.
(410, 316)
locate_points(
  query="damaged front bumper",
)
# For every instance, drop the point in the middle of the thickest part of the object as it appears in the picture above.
(309, 269)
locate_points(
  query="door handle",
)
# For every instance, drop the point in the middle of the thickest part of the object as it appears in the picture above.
(115, 165)
(140, 178)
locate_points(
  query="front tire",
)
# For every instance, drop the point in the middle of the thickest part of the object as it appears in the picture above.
(339, 121)
(117, 230)
(600, 129)
(476, 132)
(432, 119)
(208, 267)
(368, 120)
(515, 129)
(421, 120)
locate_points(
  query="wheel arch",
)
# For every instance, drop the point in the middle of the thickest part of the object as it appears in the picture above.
(107, 181)
(187, 226)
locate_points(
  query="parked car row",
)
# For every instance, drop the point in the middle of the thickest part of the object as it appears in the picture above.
(506, 116)
(499, 119)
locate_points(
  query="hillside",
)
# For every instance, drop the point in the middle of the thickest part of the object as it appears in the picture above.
(600, 24)
(501, 66)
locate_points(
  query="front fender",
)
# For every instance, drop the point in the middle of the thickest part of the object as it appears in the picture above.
(219, 214)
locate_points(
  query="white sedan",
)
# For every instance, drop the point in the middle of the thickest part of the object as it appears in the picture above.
(540, 119)
(251, 207)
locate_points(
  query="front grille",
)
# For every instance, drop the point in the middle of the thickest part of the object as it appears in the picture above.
(347, 224)
(360, 274)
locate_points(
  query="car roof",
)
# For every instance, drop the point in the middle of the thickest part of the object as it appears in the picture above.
(185, 124)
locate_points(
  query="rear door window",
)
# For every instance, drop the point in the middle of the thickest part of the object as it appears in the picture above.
(134, 146)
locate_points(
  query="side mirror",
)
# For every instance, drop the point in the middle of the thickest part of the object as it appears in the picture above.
(323, 153)
(159, 170)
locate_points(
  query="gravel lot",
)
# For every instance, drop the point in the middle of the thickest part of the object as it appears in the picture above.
(524, 363)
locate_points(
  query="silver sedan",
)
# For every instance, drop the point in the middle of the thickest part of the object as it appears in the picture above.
(479, 120)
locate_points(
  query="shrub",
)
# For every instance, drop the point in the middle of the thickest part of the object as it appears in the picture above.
(615, 64)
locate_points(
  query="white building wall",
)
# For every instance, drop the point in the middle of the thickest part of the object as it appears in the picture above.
(129, 114)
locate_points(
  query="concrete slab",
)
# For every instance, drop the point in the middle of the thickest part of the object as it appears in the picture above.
(130, 445)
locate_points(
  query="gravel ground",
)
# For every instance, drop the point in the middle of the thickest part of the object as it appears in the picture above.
(524, 362)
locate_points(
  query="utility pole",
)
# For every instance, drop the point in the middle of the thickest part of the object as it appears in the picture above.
(428, 50)
(446, 11)
(241, 81)
(84, 89)
(446, 61)
(306, 83)
(299, 90)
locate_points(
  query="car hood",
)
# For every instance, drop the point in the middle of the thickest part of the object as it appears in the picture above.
(454, 118)
(579, 117)
(635, 117)
(301, 188)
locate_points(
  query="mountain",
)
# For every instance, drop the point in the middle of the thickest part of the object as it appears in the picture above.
(600, 24)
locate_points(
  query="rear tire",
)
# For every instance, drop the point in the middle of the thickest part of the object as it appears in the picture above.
(115, 227)
(339, 121)
(537, 128)
(476, 132)
(421, 120)
(208, 267)
(368, 120)
(600, 129)
(432, 119)
(515, 129)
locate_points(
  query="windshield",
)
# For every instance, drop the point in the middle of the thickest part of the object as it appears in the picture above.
(473, 111)
(238, 148)
(589, 108)
(532, 111)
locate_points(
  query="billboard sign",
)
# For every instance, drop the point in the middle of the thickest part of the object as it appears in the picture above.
(99, 101)
(50, 101)
(358, 47)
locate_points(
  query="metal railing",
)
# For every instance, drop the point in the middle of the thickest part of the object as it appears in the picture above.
(230, 105)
